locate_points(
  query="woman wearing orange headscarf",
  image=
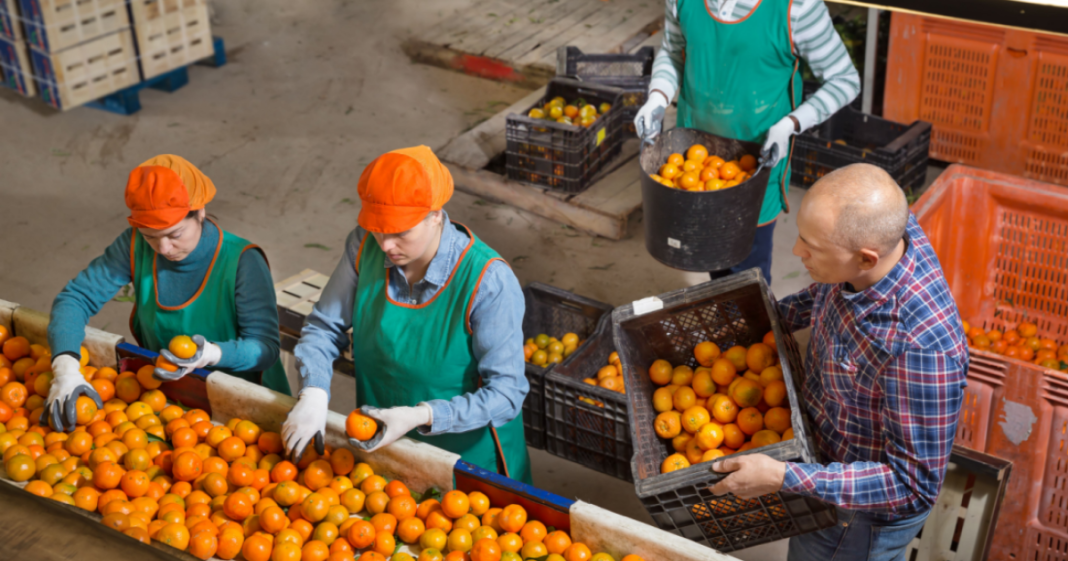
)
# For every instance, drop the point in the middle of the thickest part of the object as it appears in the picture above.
(207, 285)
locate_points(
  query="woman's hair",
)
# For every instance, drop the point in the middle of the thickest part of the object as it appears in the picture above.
(193, 214)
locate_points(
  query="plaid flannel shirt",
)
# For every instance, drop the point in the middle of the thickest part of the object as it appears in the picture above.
(886, 375)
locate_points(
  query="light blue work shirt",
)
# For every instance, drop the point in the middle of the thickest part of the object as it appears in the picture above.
(496, 324)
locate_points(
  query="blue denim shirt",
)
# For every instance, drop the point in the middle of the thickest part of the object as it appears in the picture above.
(496, 324)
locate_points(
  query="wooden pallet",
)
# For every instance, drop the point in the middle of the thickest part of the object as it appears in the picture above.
(516, 41)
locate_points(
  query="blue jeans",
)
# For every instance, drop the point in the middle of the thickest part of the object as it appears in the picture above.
(857, 536)
(759, 256)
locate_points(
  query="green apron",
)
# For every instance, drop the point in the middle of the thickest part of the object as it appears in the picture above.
(212, 312)
(737, 81)
(406, 354)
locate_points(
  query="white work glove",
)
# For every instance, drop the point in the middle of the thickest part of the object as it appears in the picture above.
(393, 423)
(650, 118)
(306, 423)
(208, 354)
(68, 384)
(777, 146)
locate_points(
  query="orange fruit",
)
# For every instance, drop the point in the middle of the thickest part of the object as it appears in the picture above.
(662, 400)
(733, 437)
(1026, 329)
(729, 170)
(747, 163)
(377, 502)
(668, 424)
(750, 420)
(578, 552)
(759, 356)
(737, 356)
(684, 398)
(283, 471)
(712, 455)
(682, 375)
(723, 371)
(486, 549)
(14, 394)
(512, 518)
(557, 542)
(402, 507)
(16, 348)
(710, 436)
(775, 393)
(480, 503)
(777, 419)
(183, 347)
(660, 372)
(675, 159)
(360, 426)
(724, 410)
(747, 393)
(384, 522)
(174, 535)
(674, 462)
(691, 181)
(146, 379)
(708, 175)
(706, 352)
(788, 434)
(669, 171)
(703, 385)
(764, 438)
(410, 530)
(694, 418)
(697, 152)
(187, 466)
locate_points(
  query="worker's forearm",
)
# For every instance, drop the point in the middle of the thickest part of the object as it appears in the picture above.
(668, 64)
(324, 334)
(84, 296)
(256, 348)
(819, 44)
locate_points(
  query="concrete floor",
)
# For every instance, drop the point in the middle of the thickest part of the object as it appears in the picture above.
(313, 92)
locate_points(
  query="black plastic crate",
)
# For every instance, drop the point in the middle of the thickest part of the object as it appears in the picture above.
(559, 156)
(554, 312)
(736, 310)
(628, 72)
(899, 149)
(596, 435)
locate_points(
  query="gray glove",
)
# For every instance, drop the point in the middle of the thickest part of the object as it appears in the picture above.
(306, 423)
(208, 354)
(68, 385)
(650, 118)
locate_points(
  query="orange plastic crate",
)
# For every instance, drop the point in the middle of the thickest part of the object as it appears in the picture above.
(996, 98)
(1003, 245)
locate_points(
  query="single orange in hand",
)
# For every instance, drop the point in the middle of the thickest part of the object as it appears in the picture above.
(360, 426)
(183, 347)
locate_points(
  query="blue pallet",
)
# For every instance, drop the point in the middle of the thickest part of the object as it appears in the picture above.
(127, 101)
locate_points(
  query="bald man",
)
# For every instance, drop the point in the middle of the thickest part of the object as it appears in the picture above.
(885, 371)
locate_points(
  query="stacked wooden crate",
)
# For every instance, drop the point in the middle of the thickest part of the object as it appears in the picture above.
(170, 33)
(15, 70)
(81, 50)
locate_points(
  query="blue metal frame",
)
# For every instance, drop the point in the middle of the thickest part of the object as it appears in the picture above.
(516, 487)
(127, 350)
(127, 101)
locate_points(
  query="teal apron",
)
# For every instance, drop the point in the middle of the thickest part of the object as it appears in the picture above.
(406, 354)
(739, 80)
(211, 312)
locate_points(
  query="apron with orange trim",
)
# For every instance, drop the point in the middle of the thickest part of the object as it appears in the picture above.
(738, 80)
(212, 312)
(407, 354)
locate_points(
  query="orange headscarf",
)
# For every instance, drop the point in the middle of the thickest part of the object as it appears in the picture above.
(163, 190)
(400, 188)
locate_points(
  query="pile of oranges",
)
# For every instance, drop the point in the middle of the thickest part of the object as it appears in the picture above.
(155, 471)
(578, 112)
(610, 376)
(712, 411)
(544, 350)
(700, 172)
(1021, 343)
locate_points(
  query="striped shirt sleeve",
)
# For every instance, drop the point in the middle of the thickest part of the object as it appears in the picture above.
(815, 40)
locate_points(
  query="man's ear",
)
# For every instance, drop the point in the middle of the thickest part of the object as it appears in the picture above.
(868, 259)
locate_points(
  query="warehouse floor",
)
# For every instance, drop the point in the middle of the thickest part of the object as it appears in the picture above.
(312, 93)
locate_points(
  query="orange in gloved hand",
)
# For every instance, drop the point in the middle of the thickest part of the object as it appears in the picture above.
(399, 188)
(163, 190)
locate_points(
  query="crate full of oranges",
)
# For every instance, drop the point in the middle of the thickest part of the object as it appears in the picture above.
(700, 171)
(1021, 342)
(733, 402)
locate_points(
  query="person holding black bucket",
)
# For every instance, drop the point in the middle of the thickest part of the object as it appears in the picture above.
(885, 372)
(737, 61)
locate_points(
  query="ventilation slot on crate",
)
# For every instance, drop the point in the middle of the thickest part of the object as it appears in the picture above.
(1030, 265)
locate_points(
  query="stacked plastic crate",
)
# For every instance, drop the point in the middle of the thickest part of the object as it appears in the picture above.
(14, 59)
(171, 33)
(80, 49)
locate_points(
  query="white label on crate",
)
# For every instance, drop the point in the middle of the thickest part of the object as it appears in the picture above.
(646, 305)
(674, 243)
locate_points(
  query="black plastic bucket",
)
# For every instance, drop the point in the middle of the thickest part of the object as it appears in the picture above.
(700, 230)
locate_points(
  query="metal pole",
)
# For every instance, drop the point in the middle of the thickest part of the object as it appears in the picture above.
(871, 46)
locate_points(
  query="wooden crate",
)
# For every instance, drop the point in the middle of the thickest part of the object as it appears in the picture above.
(54, 25)
(961, 525)
(170, 33)
(87, 72)
(15, 70)
(10, 27)
(296, 297)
